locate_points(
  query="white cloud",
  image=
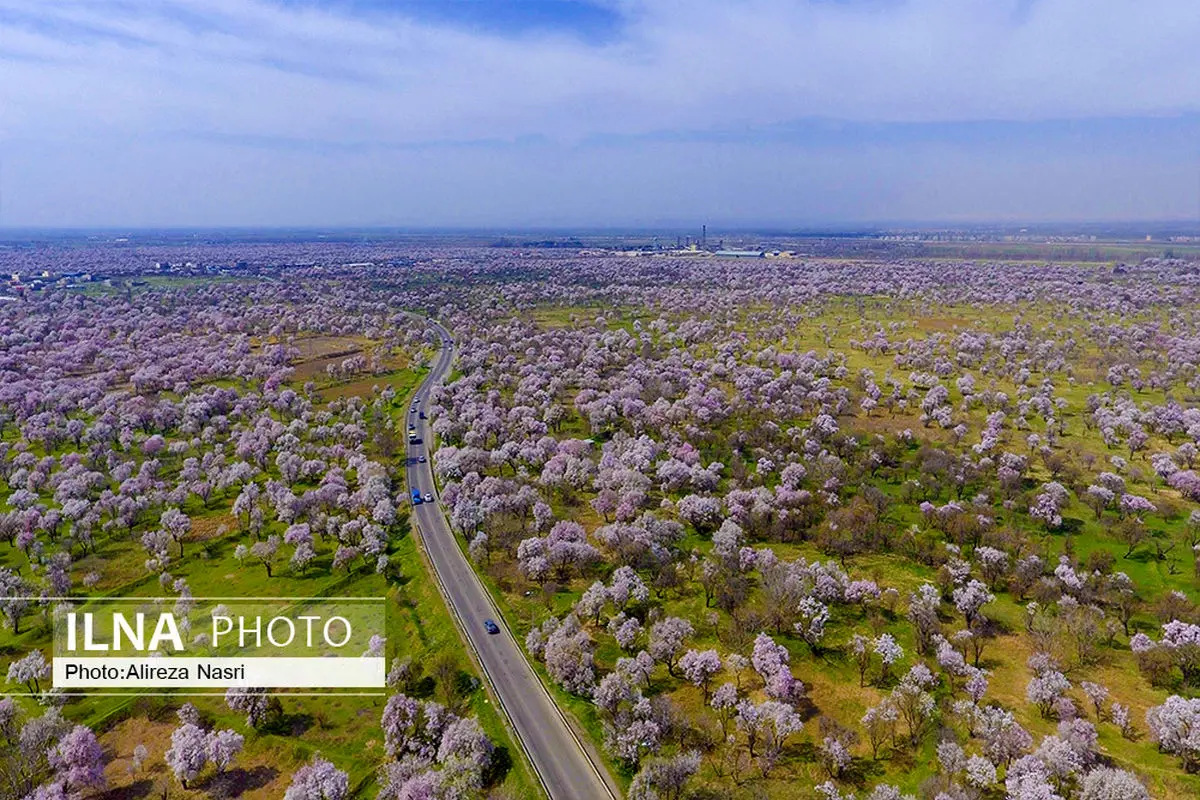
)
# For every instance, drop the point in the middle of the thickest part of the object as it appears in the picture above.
(249, 112)
(266, 70)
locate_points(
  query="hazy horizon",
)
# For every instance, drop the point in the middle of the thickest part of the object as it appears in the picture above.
(1114, 229)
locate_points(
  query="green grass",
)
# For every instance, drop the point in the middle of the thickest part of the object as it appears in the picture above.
(124, 285)
(343, 728)
(521, 614)
(420, 625)
(830, 326)
(424, 629)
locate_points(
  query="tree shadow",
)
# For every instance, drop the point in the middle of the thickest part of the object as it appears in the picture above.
(465, 684)
(807, 709)
(880, 682)
(236, 782)
(804, 751)
(860, 770)
(499, 767)
(134, 791)
(989, 664)
(287, 724)
(900, 757)
(424, 688)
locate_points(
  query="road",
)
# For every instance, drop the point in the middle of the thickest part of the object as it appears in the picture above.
(566, 769)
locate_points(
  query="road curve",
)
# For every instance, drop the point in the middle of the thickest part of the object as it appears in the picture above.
(562, 763)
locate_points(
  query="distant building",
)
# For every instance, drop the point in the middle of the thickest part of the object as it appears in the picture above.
(740, 254)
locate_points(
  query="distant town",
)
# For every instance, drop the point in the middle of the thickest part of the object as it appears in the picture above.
(34, 261)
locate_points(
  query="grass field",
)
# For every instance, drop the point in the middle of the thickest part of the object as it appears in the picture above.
(341, 727)
(833, 329)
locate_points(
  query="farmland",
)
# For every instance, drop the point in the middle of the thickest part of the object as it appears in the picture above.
(174, 413)
(775, 528)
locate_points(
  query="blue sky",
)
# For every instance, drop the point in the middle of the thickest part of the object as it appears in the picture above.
(612, 112)
(591, 22)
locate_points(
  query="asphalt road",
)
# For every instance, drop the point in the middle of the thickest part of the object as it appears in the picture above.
(565, 768)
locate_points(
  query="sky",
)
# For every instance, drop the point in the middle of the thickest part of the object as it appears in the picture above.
(502, 113)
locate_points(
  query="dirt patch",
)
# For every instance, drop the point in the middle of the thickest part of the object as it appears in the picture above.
(943, 323)
(125, 780)
(205, 528)
(315, 353)
(316, 369)
(882, 422)
(251, 777)
(317, 347)
(364, 387)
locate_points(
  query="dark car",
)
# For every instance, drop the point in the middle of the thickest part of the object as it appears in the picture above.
(491, 626)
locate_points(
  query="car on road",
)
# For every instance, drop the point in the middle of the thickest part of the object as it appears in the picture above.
(490, 626)
(421, 459)
(429, 497)
(416, 497)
